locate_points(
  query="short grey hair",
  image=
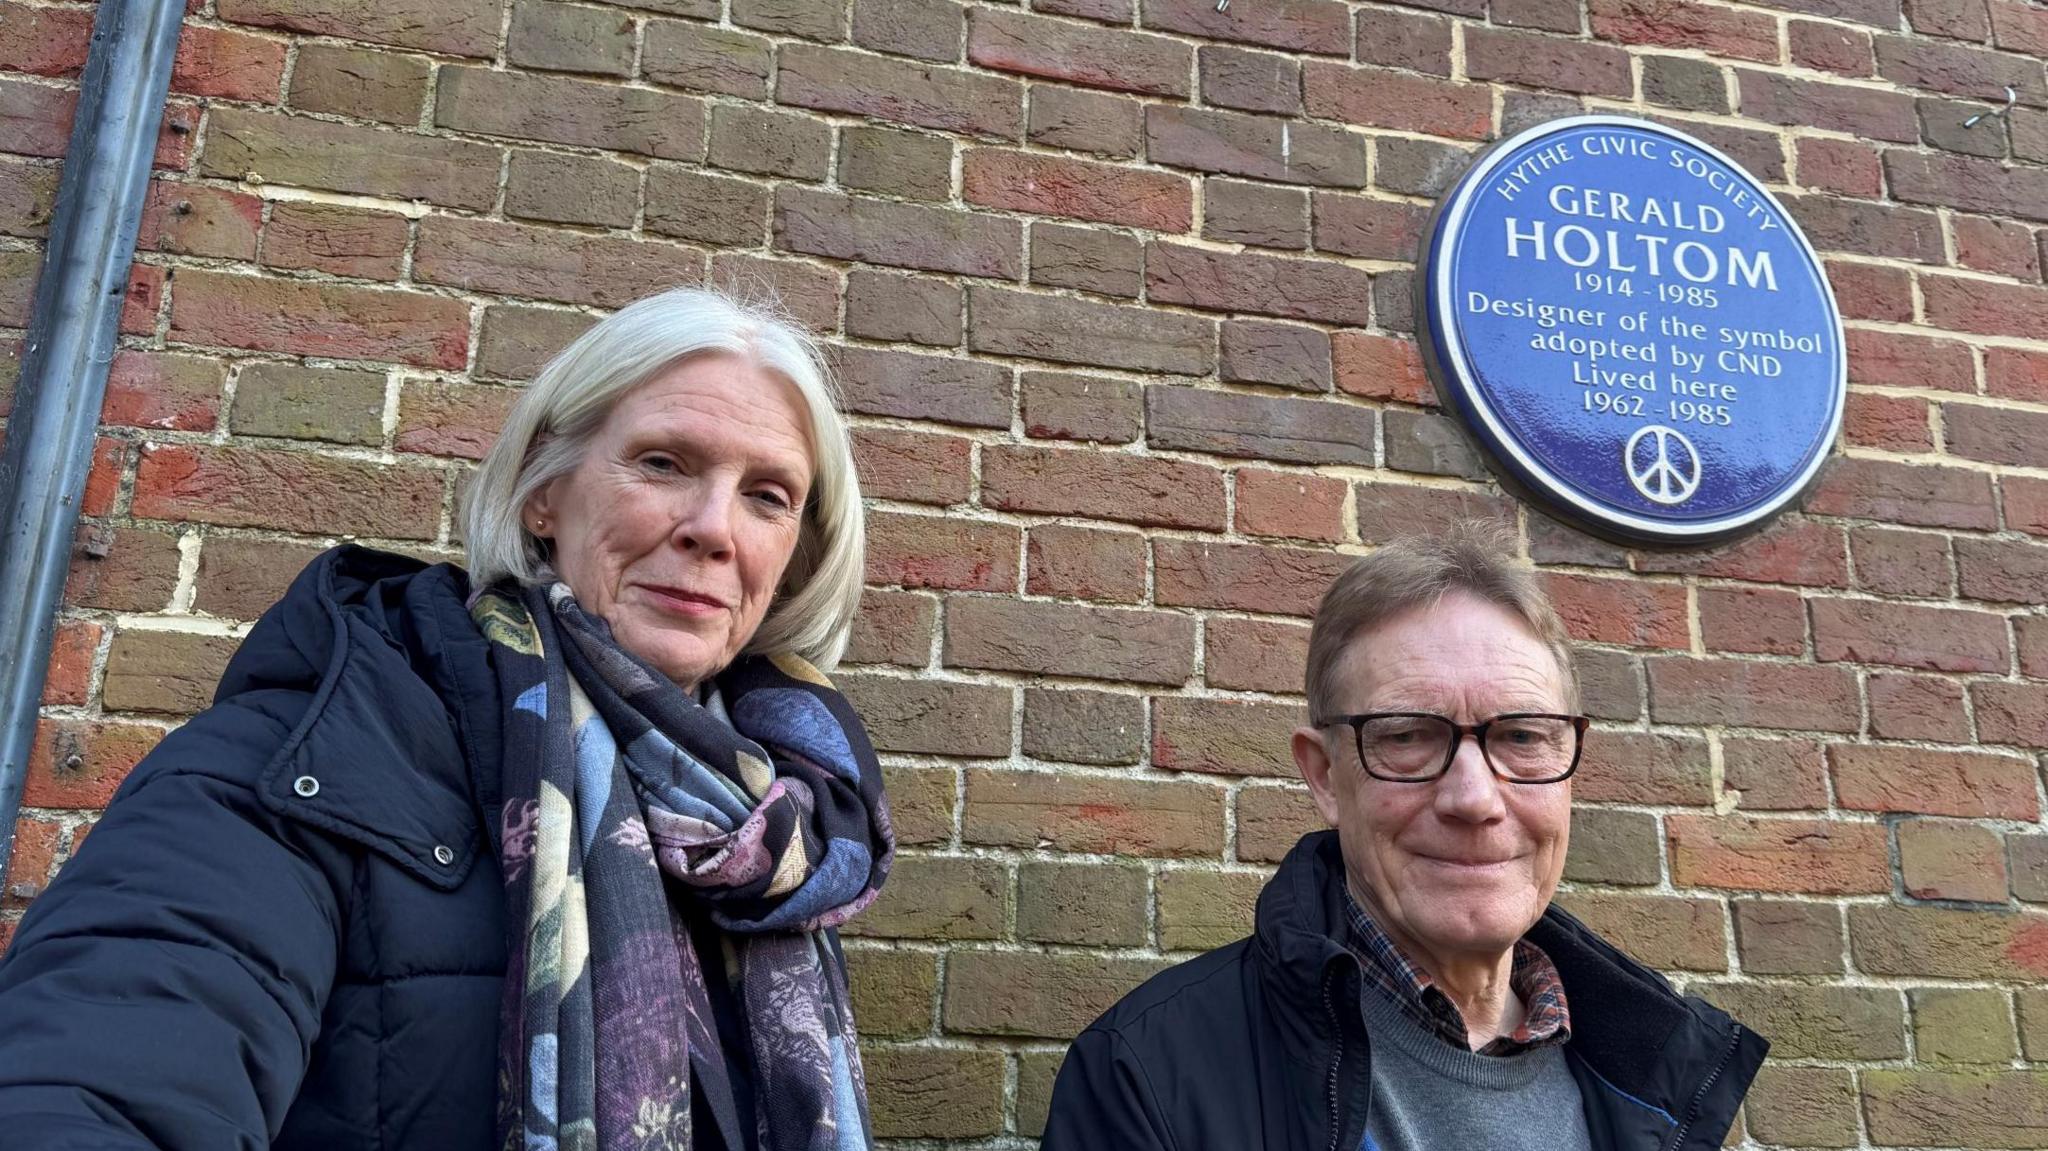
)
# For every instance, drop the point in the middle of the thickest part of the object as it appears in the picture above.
(1473, 557)
(554, 420)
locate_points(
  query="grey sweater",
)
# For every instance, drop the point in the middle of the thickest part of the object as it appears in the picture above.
(1428, 1095)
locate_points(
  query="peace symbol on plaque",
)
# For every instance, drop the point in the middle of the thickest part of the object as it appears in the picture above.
(1655, 470)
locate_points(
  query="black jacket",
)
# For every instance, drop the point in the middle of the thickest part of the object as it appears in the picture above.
(230, 962)
(1261, 1044)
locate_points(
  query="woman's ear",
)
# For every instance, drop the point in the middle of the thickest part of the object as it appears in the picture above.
(538, 511)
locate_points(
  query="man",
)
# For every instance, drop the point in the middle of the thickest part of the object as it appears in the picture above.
(1407, 985)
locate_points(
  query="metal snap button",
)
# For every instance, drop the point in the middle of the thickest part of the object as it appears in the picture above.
(306, 786)
(443, 854)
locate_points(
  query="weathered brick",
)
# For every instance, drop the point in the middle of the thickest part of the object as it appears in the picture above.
(1871, 291)
(921, 803)
(1633, 613)
(195, 220)
(1988, 307)
(1093, 727)
(1092, 813)
(1995, 434)
(1086, 190)
(1944, 860)
(893, 627)
(2018, 27)
(1644, 768)
(1381, 98)
(1759, 620)
(517, 340)
(1775, 774)
(1848, 167)
(929, 716)
(1917, 707)
(240, 577)
(1290, 505)
(453, 27)
(836, 80)
(1430, 444)
(1824, 1022)
(896, 307)
(1867, 112)
(1976, 1108)
(1547, 62)
(567, 189)
(1671, 933)
(1998, 570)
(164, 671)
(926, 29)
(338, 404)
(1374, 229)
(67, 682)
(1234, 211)
(2011, 713)
(1242, 577)
(1682, 24)
(1803, 1106)
(1258, 427)
(1387, 510)
(1887, 939)
(242, 487)
(1747, 694)
(1683, 82)
(1549, 15)
(31, 860)
(1224, 736)
(1036, 1073)
(1263, 148)
(1199, 910)
(1070, 562)
(924, 551)
(876, 231)
(1816, 856)
(1272, 285)
(1271, 820)
(319, 319)
(1087, 904)
(892, 991)
(1249, 81)
(564, 110)
(1905, 494)
(1783, 937)
(1022, 993)
(1380, 367)
(78, 763)
(162, 390)
(1093, 56)
(1255, 655)
(1079, 332)
(943, 389)
(122, 569)
(1060, 405)
(1318, 26)
(2027, 862)
(44, 41)
(939, 897)
(1882, 230)
(1098, 122)
(694, 205)
(2004, 247)
(1064, 256)
(548, 263)
(1411, 40)
(569, 38)
(934, 1092)
(759, 141)
(811, 19)
(384, 86)
(1969, 784)
(1618, 847)
(346, 158)
(1892, 359)
(1066, 639)
(1893, 423)
(334, 238)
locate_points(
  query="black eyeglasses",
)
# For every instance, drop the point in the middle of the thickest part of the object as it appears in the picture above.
(1418, 746)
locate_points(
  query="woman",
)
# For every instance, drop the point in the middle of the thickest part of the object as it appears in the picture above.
(544, 855)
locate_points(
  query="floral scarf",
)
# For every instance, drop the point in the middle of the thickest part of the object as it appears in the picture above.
(630, 809)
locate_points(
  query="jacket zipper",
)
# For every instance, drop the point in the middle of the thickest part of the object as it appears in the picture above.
(1336, 1062)
(1693, 1112)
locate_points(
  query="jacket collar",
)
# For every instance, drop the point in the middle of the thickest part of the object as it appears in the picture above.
(1654, 1049)
(402, 717)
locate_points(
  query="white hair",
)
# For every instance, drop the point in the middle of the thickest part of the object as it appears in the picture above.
(561, 410)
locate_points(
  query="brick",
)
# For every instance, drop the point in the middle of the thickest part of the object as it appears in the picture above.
(1671, 933)
(44, 41)
(939, 897)
(1870, 229)
(934, 1092)
(1976, 185)
(67, 682)
(1199, 910)
(811, 19)
(1824, 1022)
(1987, 307)
(163, 390)
(195, 220)
(1290, 506)
(565, 189)
(1547, 63)
(1683, 82)
(547, 263)
(1242, 577)
(1998, 570)
(1617, 611)
(340, 240)
(1783, 937)
(892, 991)
(936, 717)
(1866, 112)
(1977, 1107)
(1258, 427)
(1994, 434)
(2017, 27)
(1743, 694)
(1064, 639)
(2026, 504)
(2015, 373)
(346, 158)
(1430, 444)
(1917, 707)
(1644, 768)
(1775, 774)
(1833, 48)
(1079, 332)
(1092, 813)
(1254, 655)
(122, 569)
(1380, 98)
(1415, 168)
(2032, 642)
(1093, 727)
(1550, 15)
(1966, 784)
(78, 763)
(822, 223)
(240, 578)
(1224, 736)
(2010, 713)
(702, 59)
(1887, 939)
(1086, 904)
(1871, 291)
(921, 803)
(1681, 24)
(835, 80)
(451, 419)
(1271, 820)
(1816, 856)
(895, 307)
(1957, 19)
(755, 140)
(1373, 229)
(1091, 56)
(564, 110)
(1036, 1072)
(1108, 263)
(1758, 620)
(31, 860)
(1249, 81)
(110, 459)
(35, 120)
(28, 197)
(319, 319)
(1058, 186)
(1893, 423)
(1552, 542)
(1905, 494)
(1938, 639)
(340, 405)
(893, 627)
(1803, 1106)
(693, 205)
(1958, 70)
(1070, 562)
(1617, 847)
(919, 551)
(1272, 285)
(1380, 367)
(241, 487)
(517, 339)
(452, 27)
(569, 38)
(1107, 11)
(1263, 148)
(1387, 510)
(1283, 355)
(1892, 359)
(164, 671)
(1054, 996)
(1847, 167)
(1242, 213)
(1411, 40)
(384, 86)
(2027, 861)
(1998, 246)
(944, 389)
(1083, 121)
(1958, 861)
(1316, 26)
(1058, 405)
(1962, 1025)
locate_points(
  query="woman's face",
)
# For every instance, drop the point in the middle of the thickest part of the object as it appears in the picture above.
(677, 523)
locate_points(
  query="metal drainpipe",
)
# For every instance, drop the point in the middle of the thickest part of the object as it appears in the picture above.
(71, 338)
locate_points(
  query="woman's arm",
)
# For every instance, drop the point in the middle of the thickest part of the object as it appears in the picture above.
(165, 991)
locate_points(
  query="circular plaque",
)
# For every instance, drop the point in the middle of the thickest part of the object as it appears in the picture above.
(1634, 329)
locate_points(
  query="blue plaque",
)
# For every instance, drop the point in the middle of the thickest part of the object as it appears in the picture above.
(1634, 329)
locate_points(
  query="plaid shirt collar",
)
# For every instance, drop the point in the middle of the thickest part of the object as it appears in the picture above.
(1546, 1018)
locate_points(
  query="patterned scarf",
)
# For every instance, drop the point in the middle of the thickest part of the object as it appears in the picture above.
(630, 810)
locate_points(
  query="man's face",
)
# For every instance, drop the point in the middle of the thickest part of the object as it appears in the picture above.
(1464, 865)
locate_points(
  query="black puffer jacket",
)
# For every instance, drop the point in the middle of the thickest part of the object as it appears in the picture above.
(288, 928)
(1261, 1044)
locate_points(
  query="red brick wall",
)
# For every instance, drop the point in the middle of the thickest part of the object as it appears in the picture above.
(1121, 288)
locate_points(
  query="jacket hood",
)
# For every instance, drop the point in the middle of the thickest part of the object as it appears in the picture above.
(402, 710)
